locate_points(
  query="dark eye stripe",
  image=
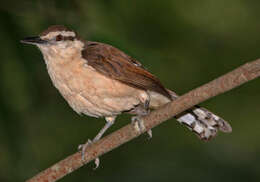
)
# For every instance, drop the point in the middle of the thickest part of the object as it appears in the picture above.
(60, 37)
(68, 38)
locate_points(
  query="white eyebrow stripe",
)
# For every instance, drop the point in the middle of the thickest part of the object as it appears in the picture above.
(63, 33)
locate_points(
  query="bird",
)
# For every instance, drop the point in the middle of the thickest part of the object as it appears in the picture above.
(99, 80)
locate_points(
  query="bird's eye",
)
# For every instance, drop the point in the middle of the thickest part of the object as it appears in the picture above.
(59, 37)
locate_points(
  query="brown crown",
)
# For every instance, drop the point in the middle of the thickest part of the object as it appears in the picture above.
(54, 28)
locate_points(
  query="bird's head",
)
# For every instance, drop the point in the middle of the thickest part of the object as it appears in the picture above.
(56, 39)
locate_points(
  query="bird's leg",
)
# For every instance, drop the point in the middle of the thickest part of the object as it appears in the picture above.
(109, 122)
(140, 111)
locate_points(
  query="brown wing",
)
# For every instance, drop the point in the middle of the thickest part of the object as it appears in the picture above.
(115, 64)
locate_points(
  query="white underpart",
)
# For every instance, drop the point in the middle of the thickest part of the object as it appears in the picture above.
(198, 128)
(187, 118)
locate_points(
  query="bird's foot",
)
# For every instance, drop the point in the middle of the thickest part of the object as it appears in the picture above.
(83, 147)
(150, 134)
(139, 126)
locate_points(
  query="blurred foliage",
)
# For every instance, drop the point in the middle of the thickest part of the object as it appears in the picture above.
(185, 43)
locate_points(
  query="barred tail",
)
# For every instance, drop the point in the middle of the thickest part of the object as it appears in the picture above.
(202, 122)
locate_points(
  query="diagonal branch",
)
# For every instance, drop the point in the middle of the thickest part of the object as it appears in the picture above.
(241, 75)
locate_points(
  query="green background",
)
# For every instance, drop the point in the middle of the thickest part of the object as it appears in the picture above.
(185, 43)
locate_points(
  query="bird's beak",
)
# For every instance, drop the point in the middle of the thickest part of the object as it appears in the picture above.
(34, 40)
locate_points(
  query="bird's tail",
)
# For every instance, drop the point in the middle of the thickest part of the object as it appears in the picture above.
(199, 120)
(202, 122)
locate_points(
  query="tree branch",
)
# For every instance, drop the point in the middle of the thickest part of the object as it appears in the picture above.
(220, 85)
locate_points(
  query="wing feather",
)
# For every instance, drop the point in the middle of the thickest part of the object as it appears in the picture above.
(115, 64)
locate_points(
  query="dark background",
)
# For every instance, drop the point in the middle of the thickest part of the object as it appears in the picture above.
(185, 43)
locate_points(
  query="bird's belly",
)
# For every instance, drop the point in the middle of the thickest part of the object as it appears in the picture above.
(93, 94)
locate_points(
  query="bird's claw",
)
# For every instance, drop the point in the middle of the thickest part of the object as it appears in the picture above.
(150, 134)
(83, 147)
(139, 126)
(97, 161)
